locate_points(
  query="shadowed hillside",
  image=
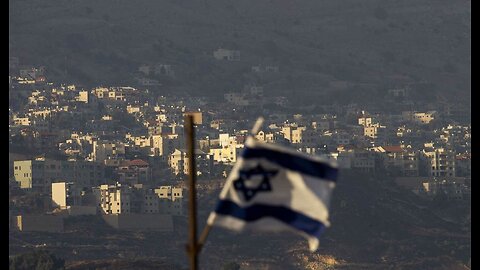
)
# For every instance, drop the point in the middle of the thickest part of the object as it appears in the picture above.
(368, 44)
(375, 225)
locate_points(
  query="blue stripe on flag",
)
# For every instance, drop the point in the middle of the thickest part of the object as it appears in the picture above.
(257, 211)
(293, 162)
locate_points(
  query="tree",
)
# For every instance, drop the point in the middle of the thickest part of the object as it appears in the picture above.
(39, 260)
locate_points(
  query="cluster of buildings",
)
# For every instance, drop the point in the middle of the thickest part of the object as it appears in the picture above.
(121, 206)
(114, 143)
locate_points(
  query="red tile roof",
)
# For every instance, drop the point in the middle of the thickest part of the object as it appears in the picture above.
(137, 162)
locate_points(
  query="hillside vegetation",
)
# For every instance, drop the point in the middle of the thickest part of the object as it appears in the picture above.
(368, 44)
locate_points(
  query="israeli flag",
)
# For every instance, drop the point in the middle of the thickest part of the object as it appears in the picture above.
(273, 188)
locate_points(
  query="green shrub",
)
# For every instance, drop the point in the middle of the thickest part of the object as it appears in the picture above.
(38, 260)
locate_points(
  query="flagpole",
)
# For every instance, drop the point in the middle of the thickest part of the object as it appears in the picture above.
(208, 227)
(192, 247)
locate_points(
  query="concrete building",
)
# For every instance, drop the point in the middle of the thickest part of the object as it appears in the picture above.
(374, 131)
(39, 174)
(227, 150)
(38, 223)
(342, 158)
(133, 172)
(225, 54)
(179, 162)
(136, 222)
(239, 99)
(65, 194)
(136, 199)
(419, 117)
(440, 161)
(265, 68)
(293, 133)
(83, 96)
(21, 121)
(451, 188)
(197, 117)
(341, 138)
(163, 145)
(103, 150)
(265, 137)
(144, 200)
(171, 200)
(365, 121)
(396, 157)
(463, 165)
(163, 69)
(363, 161)
(113, 199)
(170, 193)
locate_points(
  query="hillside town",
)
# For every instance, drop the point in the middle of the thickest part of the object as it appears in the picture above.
(303, 135)
(116, 151)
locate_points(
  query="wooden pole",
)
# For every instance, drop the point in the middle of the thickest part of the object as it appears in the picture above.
(192, 247)
(203, 237)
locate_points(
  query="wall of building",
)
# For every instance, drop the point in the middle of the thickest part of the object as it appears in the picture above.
(38, 223)
(59, 195)
(82, 210)
(155, 222)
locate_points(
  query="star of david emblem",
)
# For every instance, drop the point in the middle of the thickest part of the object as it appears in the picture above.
(245, 181)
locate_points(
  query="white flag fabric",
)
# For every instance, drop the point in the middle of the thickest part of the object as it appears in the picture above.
(274, 188)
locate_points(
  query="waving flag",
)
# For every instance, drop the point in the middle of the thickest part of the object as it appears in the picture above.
(273, 188)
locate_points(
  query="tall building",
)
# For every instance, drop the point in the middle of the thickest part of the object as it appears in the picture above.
(179, 162)
(171, 200)
(65, 194)
(113, 199)
(440, 161)
(39, 174)
(293, 134)
(108, 150)
(133, 172)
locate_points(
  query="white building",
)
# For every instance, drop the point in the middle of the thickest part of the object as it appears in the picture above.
(65, 194)
(113, 199)
(225, 54)
(440, 161)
